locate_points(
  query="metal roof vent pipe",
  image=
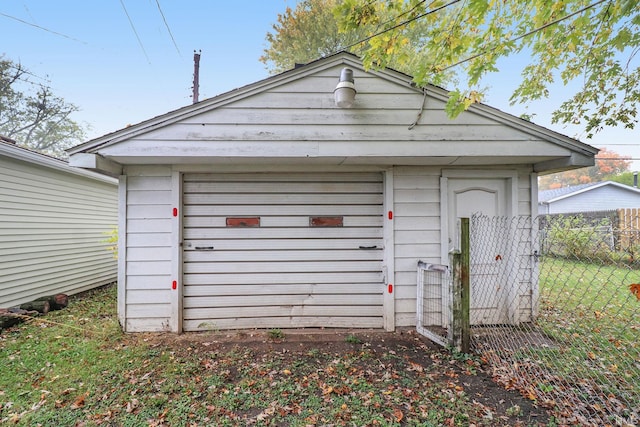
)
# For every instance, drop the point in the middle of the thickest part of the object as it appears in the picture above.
(345, 92)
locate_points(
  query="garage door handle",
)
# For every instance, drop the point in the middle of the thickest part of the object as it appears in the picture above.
(204, 248)
(368, 247)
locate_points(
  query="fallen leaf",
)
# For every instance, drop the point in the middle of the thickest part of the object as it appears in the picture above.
(79, 402)
(131, 406)
(398, 415)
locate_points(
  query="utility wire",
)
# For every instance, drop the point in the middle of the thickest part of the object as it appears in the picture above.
(167, 26)
(535, 30)
(402, 24)
(41, 28)
(134, 31)
(402, 14)
(424, 90)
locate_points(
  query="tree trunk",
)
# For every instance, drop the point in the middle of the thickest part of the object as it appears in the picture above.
(56, 302)
(41, 306)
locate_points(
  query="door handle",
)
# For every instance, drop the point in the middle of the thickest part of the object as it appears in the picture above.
(368, 247)
(204, 248)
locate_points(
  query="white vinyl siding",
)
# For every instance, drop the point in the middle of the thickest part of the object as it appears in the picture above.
(236, 156)
(148, 249)
(417, 228)
(417, 232)
(284, 272)
(53, 226)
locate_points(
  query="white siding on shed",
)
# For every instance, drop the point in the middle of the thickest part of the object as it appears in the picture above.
(418, 233)
(148, 276)
(53, 226)
(289, 124)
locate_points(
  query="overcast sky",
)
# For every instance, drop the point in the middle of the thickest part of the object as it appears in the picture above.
(125, 61)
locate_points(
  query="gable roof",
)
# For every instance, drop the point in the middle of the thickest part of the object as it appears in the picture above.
(574, 153)
(554, 195)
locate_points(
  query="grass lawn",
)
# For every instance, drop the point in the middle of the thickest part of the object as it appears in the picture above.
(75, 367)
(588, 366)
(590, 310)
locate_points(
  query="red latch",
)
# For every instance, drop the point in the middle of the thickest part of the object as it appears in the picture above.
(174, 285)
(175, 211)
(390, 288)
(390, 214)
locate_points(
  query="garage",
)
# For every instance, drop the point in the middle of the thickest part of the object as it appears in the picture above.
(282, 250)
(272, 206)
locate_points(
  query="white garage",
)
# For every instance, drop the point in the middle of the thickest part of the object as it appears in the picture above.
(274, 206)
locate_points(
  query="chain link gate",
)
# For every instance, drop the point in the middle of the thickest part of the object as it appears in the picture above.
(434, 302)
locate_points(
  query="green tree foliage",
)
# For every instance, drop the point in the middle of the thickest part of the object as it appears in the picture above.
(626, 178)
(608, 165)
(590, 43)
(32, 115)
(311, 31)
(304, 34)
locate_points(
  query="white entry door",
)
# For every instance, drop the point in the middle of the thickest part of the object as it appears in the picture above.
(487, 196)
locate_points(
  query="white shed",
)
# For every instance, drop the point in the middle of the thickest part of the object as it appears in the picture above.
(269, 206)
(594, 196)
(53, 220)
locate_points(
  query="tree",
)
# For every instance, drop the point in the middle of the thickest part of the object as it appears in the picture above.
(609, 164)
(311, 31)
(304, 34)
(590, 42)
(38, 120)
(626, 178)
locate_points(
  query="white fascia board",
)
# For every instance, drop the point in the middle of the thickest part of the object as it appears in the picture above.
(574, 161)
(95, 162)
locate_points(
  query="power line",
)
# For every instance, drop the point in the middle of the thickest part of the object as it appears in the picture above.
(168, 29)
(133, 27)
(41, 28)
(535, 30)
(402, 24)
(403, 13)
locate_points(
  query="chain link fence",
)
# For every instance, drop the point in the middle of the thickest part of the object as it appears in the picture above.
(555, 310)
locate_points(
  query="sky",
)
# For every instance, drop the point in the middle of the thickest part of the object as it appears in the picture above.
(125, 61)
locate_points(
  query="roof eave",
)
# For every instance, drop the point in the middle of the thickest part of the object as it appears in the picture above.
(28, 156)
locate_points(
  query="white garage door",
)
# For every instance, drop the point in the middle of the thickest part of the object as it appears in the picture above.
(282, 250)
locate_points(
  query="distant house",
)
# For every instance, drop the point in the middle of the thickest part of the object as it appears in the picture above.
(53, 220)
(596, 196)
(274, 205)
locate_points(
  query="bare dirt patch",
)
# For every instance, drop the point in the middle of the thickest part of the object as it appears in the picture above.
(413, 359)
